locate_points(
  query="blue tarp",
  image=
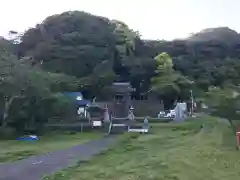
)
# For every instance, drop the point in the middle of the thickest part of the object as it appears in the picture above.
(28, 138)
(76, 96)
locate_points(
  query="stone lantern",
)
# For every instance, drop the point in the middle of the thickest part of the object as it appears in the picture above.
(131, 116)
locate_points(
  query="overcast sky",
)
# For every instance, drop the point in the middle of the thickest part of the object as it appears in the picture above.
(154, 19)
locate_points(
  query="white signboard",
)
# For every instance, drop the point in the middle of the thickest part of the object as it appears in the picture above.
(97, 123)
(80, 111)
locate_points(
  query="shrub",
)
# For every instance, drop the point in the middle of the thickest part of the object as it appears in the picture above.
(7, 132)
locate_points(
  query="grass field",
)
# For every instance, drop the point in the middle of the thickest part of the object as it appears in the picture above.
(11, 150)
(171, 152)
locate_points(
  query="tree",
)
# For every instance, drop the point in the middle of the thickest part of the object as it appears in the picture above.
(224, 102)
(165, 75)
(76, 42)
(20, 81)
(167, 82)
(17, 81)
(101, 77)
(125, 38)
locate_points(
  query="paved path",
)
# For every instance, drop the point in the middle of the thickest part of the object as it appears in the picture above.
(35, 167)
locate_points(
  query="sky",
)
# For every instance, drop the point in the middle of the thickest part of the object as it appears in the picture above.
(154, 19)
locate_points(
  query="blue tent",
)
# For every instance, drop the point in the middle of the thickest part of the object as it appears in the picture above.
(77, 97)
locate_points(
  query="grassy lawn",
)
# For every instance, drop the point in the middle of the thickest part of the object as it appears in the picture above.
(11, 150)
(171, 152)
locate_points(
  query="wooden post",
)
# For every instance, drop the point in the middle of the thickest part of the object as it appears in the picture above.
(81, 127)
(238, 139)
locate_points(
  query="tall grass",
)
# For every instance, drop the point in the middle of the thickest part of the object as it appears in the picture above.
(200, 148)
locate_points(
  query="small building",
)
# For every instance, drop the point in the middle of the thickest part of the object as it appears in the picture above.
(81, 103)
(145, 104)
(121, 96)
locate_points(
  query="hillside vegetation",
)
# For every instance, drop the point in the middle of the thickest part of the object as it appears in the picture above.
(222, 34)
(77, 43)
(78, 51)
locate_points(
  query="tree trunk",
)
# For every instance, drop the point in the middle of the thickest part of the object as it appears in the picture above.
(7, 105)
(232, 126)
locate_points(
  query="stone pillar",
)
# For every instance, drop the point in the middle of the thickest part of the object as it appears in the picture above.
(145, 123)
(106, 115)
(127, 104)
(106, 120)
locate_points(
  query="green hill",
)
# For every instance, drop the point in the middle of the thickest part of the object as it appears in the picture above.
(223, 34)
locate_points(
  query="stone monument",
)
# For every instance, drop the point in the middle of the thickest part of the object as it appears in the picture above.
(180, 110)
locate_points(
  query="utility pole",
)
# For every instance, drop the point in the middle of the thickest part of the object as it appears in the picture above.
(192, 102)
(44, 34)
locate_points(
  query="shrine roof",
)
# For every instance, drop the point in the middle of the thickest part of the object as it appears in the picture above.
(122, 87)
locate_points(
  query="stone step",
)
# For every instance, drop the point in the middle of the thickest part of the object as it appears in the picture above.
(135, 126)
(119, 129)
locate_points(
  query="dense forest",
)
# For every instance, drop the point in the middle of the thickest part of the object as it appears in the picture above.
(77, 51)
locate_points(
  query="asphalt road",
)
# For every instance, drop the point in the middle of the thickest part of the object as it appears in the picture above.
(36, 167)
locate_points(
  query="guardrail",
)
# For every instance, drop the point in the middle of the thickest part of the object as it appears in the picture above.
(142, 118)
(115, 122)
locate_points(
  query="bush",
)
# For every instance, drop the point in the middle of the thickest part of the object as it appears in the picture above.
(7, 132)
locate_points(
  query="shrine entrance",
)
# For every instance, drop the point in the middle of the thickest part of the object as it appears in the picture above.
(121, 99)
